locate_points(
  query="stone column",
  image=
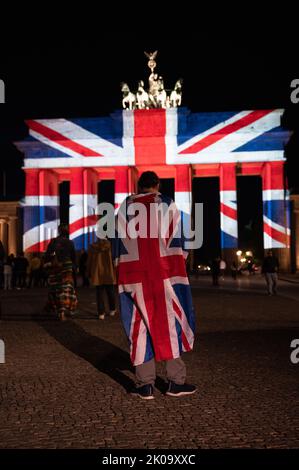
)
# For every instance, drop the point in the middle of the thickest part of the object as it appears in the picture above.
(276, 212)
(183, 188)
(3, 234)
(89, 205)
(49, 206)
(122, 189)
(295, 231)
(183, 200)
(76, 218)
(12, 235)
(228, 211)
(31, 212)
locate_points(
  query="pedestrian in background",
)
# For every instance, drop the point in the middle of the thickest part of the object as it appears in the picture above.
(20, 267)
(34, 271)
(61, 258)
(234, 270)
(215, 269)
(222, 267)
(270, 270)
(7, 273)
(101, 272)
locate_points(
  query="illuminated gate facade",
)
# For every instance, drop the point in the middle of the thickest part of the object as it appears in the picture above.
(173, 142)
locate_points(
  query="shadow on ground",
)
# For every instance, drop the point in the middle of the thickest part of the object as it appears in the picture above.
(104, 356)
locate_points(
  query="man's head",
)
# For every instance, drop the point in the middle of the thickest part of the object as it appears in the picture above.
(148, 182)
(270, 253)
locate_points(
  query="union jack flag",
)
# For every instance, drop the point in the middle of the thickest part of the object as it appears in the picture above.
(176, 137)
(155, 297)
(142, 138)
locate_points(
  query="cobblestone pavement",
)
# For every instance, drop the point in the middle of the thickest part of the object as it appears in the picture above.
(64, 385)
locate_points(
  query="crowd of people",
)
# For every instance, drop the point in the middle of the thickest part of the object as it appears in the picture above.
(269, 270)
(60, 265)
(19, 272)
(16, 272)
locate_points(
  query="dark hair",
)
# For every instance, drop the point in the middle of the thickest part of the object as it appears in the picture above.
(148, 179)
(63, 230)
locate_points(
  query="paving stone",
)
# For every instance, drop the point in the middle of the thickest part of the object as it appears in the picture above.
(64, 385)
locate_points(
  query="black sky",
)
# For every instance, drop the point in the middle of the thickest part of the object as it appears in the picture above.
(80, 75)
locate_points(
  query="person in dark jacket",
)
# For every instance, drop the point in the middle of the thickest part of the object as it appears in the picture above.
(270, 269)
(101, 272)
(61, 258)
(20, 271)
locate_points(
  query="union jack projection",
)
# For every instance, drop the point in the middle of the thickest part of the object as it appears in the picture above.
(155, 296)
(174, 142)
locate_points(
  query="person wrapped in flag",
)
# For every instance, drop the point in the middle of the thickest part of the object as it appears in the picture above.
(154, 291)
(61, 257)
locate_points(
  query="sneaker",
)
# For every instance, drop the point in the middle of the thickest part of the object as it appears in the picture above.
(177, 390)
(146, 392)
(112, 313)
(102, 316)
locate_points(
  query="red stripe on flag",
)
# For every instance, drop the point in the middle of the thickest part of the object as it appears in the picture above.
(61, 139)
(227, 180)
(277, 235)
(185, 342)
(121, 179)
(183, 180)
(32, 182)
(84, 222)
(149, 136)
(228, 211)
(135, 332)
(39, 247)
(224, 131)
(273, 175)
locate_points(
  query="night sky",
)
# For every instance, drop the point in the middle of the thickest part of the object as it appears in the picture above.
(72, 77)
